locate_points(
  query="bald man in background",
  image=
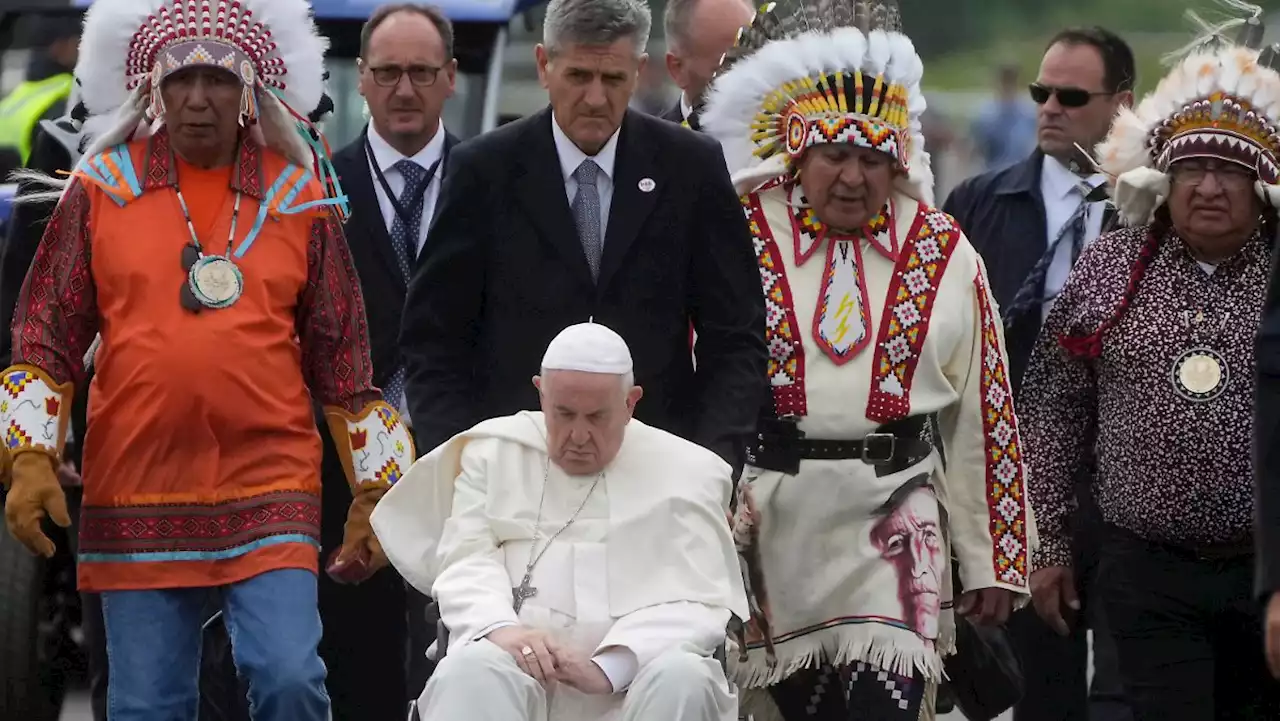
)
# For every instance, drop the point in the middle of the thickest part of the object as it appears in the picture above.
(692, 58)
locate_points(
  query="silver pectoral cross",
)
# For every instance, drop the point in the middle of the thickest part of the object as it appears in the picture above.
(523, 592)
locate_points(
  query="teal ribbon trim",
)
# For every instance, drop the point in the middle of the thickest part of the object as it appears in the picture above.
(328, 173)
(263, 208)
(286, 206)
(96, 169)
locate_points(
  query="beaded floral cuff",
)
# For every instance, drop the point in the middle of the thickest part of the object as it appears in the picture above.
(34, 410)
(375, 446)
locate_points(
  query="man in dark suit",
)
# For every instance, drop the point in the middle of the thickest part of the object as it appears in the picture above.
(392, 175)
(699, 33)
(588, 210)
(1030, 221)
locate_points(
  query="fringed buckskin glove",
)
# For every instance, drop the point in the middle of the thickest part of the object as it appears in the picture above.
(33, 493)
(376, 449)
(34, 412)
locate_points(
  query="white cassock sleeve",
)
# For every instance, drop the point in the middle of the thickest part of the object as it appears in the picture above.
(638, 638)
(473, 589)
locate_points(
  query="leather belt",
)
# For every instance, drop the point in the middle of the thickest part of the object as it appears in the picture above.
(780, 446)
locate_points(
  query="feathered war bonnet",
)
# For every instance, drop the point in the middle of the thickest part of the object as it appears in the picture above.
(807, 72)
(129, 47)
(1221, 100)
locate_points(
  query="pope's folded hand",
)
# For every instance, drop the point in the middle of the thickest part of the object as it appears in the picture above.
(34, 493)
(361, 554)
(576, 669)
(530, 648)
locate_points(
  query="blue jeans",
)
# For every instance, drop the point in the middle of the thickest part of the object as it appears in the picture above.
(153, 647)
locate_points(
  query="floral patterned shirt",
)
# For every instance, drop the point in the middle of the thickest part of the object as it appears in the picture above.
(1170, 466)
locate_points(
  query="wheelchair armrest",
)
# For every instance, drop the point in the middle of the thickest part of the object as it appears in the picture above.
(442, 640)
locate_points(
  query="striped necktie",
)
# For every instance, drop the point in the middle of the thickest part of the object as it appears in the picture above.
(1031, 293)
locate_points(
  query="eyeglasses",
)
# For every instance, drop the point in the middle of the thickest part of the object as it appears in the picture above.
(388, 76)
(1067, 97)
(1229, 175)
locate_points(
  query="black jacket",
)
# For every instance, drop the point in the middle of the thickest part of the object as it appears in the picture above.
(383, 285)
(1002, 213)
(504, 272)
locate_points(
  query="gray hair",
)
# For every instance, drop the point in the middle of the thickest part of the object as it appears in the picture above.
(677, 22)
(597, 23)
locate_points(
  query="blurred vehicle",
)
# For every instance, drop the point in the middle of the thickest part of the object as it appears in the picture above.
(40, 639)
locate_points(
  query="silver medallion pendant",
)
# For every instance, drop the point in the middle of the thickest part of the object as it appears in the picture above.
(215, 281)
(1200, 374)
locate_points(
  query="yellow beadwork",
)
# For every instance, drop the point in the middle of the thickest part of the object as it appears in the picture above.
(836, 107)
(1224, 112)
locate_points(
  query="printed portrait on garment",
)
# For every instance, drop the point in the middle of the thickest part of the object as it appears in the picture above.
(907, 532)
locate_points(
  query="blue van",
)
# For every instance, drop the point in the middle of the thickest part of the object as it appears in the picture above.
(41, 643)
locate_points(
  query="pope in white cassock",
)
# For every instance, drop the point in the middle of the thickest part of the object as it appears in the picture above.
(581, 560)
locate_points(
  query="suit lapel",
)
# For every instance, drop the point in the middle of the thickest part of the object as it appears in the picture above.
(636, 189)
(1024, 178)
(357, 179)
(675, 114)
(1110, 219)
(450, 140)
(540, 192)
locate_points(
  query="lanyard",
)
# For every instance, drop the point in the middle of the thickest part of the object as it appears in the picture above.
(417, 193)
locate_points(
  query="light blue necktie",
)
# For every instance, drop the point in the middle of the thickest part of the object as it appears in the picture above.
(1031, 293)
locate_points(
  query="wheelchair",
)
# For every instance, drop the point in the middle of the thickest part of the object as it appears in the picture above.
(442, 646)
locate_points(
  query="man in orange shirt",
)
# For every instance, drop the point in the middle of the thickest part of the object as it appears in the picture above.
(201, 239)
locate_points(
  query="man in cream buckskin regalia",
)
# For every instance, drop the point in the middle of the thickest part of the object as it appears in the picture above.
(893, 444)
(581, 560)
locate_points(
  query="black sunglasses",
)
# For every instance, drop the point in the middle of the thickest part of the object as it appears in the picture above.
(1067, 97)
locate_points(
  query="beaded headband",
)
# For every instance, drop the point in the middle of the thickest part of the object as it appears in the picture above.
(851, 107)
(212, 33)
(1219, 126)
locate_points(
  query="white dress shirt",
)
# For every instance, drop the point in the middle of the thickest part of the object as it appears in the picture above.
(571, 156)
(1063, 192)
(686, 108)
(387, 157)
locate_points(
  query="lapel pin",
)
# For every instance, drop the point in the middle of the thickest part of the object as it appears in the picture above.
(647, 185)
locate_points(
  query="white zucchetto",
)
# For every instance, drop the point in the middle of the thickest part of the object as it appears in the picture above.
(590, 348)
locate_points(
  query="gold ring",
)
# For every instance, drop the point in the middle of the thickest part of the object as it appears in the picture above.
(527, 651)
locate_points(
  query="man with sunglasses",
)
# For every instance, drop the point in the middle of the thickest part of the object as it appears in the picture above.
(1147, 364)
(1030, 222)
(392, 175)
